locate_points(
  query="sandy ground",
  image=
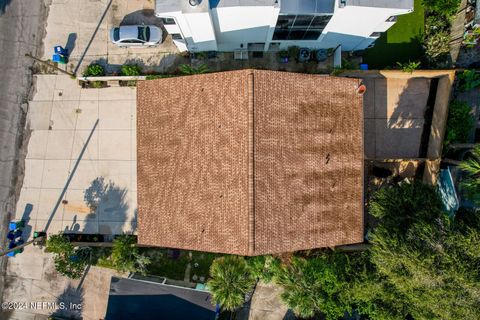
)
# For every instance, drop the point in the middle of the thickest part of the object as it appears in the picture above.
(22, 23)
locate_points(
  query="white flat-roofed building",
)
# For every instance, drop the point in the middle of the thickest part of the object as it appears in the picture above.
(262, 25)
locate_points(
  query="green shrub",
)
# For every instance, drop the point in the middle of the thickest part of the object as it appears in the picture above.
(187, 69)
(293, 52)
(283, 54)
(469, 79)
(158, 76)
(436, 23)
(94, 70)
(399, 206)
(68, 261)
(437, 44)
(202, 55)
(130, 70)
(470, 184)
(126, 256)
(96, 84)
(470, 39)
(409, 66)
(446, 8)
(459, 123)
(58, 244)
(263, 267)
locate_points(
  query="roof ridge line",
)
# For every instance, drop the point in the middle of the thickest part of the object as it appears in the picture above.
(251, 160)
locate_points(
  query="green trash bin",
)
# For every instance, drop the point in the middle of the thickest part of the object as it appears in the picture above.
(20, 224)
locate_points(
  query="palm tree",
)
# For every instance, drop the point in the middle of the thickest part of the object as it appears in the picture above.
(315, 285)
(471, 183)
(230, 281)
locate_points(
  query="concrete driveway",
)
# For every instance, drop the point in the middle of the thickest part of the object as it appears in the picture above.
(83, 27)
(80, 167)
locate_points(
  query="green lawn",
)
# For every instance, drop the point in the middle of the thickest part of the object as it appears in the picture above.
(401, 43)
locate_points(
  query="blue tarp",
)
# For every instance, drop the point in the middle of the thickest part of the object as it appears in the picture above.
(446, 187)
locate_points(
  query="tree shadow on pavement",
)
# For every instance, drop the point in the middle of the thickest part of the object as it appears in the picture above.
(69, 303)
(139, 17)
(108, 203)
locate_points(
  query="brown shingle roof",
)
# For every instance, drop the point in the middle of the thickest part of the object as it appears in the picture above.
(250, 162)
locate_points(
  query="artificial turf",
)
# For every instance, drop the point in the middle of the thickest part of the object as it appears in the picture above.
(401, 43)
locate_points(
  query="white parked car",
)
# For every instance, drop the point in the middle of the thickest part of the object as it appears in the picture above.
(136, 36)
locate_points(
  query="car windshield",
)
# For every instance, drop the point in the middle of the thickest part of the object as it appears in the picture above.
(116, 34)
(144, 33)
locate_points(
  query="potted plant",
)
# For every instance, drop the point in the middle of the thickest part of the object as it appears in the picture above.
(470, 37)
(283, 56)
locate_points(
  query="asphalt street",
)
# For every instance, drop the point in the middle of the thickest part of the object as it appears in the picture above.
(22, 25)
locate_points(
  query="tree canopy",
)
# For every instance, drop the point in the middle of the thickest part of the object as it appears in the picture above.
(69, 261)
(422, 264)
(315, 285)
(126, 256)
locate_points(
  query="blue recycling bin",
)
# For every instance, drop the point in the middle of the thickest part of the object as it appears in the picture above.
(60, 50)
(14, 234)
(364, 66)
(59, 59)
(12, 226)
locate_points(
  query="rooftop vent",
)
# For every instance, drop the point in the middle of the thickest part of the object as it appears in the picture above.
(193, 3)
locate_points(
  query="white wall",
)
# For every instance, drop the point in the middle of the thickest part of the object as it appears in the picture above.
(195, 28)
(225, 28)
(241, 25)
(352, 26)
(201, 32)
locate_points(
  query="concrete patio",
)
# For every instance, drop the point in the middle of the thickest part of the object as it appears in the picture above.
(394, 112)
(80, 167)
